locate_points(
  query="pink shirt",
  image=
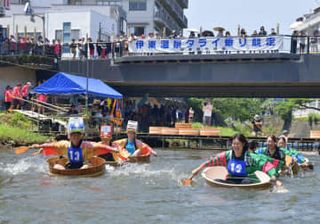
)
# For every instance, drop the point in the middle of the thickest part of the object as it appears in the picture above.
(7, 96)
(16, 91)
(25, 90)
(42, 97)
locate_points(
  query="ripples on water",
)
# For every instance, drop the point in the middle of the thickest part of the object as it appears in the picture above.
(146, 193)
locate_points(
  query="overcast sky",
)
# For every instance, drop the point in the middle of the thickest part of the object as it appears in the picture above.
(250, 14)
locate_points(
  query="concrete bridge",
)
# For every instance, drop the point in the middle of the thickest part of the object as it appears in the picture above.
(228, 75)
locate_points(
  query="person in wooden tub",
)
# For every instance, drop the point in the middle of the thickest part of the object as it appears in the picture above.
(239, 162)
(76, 149)
(106, 137)
(131, 144)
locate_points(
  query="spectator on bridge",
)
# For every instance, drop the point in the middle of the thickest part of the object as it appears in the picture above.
(39, 46)
(23, 45)
(255, 34)
(150, 36)
(29, 46)
(132, 38)
(192, 35)
(13, 44)
(81, 50)
(262, 32)
(273, 32)
(91, 48)
(243, 33)
(73, 48)
(220, 33)
(207, 113)
(99, 47)
(302, 42)
(227, 34)
(48, 47)
(57, 49)
(7, 98)
(294, 42)
(158, 36)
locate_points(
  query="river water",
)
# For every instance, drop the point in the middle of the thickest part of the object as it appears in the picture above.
(147, 193)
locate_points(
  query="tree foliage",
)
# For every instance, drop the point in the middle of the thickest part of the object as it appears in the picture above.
(236, 108)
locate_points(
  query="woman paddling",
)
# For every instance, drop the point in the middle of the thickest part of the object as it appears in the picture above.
(297, 156)
(131, 144)
(76, 149)
(239, 162)
(272, 150)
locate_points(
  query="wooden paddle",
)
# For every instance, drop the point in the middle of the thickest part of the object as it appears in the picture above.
(188, 181)
(122, 155)
(289, 161)
(21, 150)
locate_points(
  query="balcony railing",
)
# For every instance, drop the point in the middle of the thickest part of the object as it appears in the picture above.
(175, 10)
(166, 19)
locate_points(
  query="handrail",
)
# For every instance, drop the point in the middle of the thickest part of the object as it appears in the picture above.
(51, 105)
(37, 104)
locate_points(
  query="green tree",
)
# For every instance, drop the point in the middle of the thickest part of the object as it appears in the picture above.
(237, 108)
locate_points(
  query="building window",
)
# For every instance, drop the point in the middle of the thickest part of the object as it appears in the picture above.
(75, 34)
(137, 5)
(138, 30)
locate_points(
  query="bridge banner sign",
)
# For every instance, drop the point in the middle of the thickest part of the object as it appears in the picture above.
(208, 45)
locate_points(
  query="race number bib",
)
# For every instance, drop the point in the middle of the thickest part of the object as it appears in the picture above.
(237, 168)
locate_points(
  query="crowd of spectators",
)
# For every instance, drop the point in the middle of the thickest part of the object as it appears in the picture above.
(105, 49)
(81, 48)
(158, 114)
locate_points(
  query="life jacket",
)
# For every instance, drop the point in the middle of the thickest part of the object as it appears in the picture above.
(131, 147)
(238, 167)
(278, 154)
(75, 156)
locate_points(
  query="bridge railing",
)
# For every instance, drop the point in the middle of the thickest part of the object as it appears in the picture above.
(182, 46)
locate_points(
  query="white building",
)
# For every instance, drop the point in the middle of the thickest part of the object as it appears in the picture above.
(53, 16)
(308, 23)
(143, 16)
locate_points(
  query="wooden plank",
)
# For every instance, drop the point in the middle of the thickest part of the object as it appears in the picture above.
(169, 131)
(315, 134)
(155, 130)
(183, 125)
(189, 131)
(210, 132)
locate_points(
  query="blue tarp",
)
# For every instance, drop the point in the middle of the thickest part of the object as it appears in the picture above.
(65, 84)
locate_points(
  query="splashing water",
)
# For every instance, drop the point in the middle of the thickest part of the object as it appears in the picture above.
(23, 165)
(143, 170)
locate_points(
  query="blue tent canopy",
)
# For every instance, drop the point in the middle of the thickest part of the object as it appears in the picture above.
(65, 84)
